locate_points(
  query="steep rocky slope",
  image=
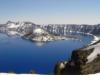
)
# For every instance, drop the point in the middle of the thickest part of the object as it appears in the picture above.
(81, 63)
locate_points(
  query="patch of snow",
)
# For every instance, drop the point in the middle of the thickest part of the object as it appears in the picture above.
(94, 54)
(94, 74)
(62, 66)
(95, 39)
(39, 44)
(12, 25)
(17, 74)
(38, 31)
(70, 31)
(96, 47)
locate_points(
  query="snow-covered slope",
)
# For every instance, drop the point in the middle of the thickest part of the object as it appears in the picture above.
(94, 54)
(96, 51)
(95, 74)
(38, 31)
(41, 35)
(20, 28)
(12, 26)
(60, 29)
(17, 74)
(72, 28)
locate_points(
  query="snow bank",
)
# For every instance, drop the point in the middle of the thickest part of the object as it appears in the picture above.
(95, 74)
(94, 54)
(95, 39)
(17, 74)
(96, 51)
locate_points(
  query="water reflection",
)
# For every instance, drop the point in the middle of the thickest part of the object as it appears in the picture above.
(39, 44)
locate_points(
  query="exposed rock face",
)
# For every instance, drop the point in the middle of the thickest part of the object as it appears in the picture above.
(64, 29)
(60, 29)
(78, 64)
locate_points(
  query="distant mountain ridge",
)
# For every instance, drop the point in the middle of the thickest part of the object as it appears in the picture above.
(60, 29)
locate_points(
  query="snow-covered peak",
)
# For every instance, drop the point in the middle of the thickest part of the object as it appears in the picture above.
(20, 27)
(39, 31)
(12, 25)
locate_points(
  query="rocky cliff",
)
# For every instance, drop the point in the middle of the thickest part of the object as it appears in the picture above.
(60, 29)
(79, 65)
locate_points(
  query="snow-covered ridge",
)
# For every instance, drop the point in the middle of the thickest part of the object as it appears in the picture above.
(95, 38)
(54, 28)
(34, 32)
(61, 29)
(94, 74)
(24, 28)
(94, 54)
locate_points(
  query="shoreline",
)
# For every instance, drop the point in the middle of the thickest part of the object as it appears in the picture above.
(96, 39)
(79, 58)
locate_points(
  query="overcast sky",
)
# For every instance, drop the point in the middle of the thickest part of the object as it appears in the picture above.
(51, 11)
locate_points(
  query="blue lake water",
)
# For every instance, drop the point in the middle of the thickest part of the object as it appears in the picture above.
(22, 56)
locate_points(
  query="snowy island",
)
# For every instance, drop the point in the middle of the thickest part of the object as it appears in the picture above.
(41, 35)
